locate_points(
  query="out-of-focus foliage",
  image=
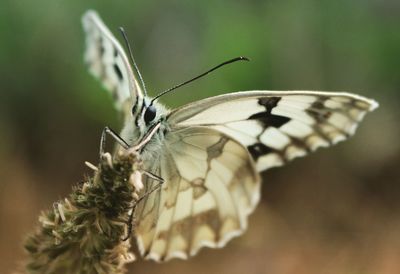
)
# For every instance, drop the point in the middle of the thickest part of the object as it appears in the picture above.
(337, 211)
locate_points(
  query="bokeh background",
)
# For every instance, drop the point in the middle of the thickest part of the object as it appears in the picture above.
(336, 211)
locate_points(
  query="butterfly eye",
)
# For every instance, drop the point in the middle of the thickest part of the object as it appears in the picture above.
(150, 114)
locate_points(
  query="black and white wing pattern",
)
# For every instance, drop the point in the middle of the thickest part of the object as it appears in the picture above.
(210, 188)
(277, 126)
(107, 61)
(212, 155)
(210, 152)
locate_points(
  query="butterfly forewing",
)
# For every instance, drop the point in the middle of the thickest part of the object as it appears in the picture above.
(277, 127)
(107, 61)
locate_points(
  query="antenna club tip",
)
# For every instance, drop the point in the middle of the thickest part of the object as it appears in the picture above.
(244, 58)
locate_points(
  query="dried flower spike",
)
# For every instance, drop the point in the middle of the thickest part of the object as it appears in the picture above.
(83, 234)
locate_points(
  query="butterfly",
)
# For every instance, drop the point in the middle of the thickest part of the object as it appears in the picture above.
(210, 153)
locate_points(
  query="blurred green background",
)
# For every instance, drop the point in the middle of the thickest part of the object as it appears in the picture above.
(336, 211)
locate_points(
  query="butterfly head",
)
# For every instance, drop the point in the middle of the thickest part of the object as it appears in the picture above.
(144, 115)
(146, 112)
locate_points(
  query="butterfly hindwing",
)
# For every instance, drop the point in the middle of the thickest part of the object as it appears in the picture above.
(107, 61)
(277, 127)
(210, 188)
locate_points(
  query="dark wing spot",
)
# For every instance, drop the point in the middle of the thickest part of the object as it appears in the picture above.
(216, 149)
(269, 102)
(299, 143)
(101, 47)
(266, 118)
(118, 72)
(319, 115)
(259, 149)
(269, 120)
(318, 105)
(102, 50)
(115, 52)
(318, 111)
(198, 182)
(199, 191)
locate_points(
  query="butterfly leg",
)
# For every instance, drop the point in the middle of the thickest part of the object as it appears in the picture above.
(153, 176)
(156, 187)
(116, 137)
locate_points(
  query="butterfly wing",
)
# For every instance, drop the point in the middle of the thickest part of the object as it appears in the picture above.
(108, 62)
(277, 126)
(211, 157)
(210, 188)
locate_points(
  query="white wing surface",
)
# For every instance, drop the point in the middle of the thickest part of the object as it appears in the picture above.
(277, 126)
(210, 188)
(108, 62)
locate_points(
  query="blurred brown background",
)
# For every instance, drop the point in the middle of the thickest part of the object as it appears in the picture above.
(336, 211)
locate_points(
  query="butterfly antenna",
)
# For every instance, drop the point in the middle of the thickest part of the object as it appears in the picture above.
(240, 58)
(121, 29)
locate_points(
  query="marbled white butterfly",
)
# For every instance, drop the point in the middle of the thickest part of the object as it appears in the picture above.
(210, 152)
